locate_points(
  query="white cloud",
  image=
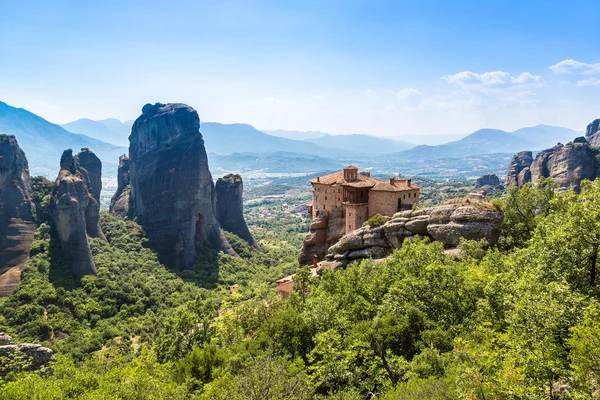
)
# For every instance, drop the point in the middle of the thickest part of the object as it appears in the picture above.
(589, 82)
(575, 67)
(527, 77)
(468, 80)
(408, 93)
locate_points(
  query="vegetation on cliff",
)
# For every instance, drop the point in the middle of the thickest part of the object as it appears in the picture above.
(519, 320)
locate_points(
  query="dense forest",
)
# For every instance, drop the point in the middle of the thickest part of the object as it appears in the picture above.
(520, 320)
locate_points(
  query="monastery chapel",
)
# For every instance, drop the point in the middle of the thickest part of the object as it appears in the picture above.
(360, 196)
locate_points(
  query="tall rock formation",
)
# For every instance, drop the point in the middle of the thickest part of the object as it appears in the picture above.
(230, 206)
(74, 208)
(16, 219)
(119, 203)
(566, 164)
(592, 133)
(172, 192)
(519, 172)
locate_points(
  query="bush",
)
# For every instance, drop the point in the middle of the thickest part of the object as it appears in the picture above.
(376, 220)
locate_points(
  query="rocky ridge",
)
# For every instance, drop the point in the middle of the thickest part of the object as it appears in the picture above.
(16, 357)
(447, 224)
(75, 206)
(172, 192)
(230, 206)
(17, 224)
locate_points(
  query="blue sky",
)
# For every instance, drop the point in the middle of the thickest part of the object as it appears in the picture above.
(380, 67)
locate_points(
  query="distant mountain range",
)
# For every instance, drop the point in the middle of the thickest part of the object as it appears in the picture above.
(277, 162)
(364, 144)
(243, 147)
(489, 141)
(108, 130)
(44, 142)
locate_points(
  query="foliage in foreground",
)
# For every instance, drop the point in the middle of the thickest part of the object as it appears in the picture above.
(518, 321)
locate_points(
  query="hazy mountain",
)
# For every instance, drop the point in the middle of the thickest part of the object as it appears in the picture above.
(109, 130)
(488, 141)
(365, 144)
(244, 138)
(281, 162)
(432, 139)
(296, 135)
(546, 136)
(44, 142)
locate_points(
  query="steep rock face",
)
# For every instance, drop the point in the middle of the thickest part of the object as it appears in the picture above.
(230, 206)
(325, 230)
(592, 133)
(488, 185)
(447, 224)
(519, 172)
(74, 208)
(31, 356)
(119, 203)
(567, 164)
(16, 219)
(172, 191)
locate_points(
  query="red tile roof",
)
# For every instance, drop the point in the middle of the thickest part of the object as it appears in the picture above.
(363, 181)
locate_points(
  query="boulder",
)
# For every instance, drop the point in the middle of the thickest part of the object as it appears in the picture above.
(16, 357)
(74, 208)
(418, 225)
(451, 233)
(230, 207)
(172, 193)
(17, 224)
(335, 226)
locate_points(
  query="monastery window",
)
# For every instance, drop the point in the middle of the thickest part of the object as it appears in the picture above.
(404, 197)
(349, 214)
(323, 206)
(325, 198)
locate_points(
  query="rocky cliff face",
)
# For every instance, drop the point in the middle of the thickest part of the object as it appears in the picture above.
(74, 208)
(488, 185)
(325, 231)
(519, 169)
(446, 224)
(119, 203)
(592, 133)
(22, 356)
(16, 219)
(230, 206)
(172, 192)
(566, 164)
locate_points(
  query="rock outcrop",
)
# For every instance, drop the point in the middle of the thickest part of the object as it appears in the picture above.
(325, 230)
(119, 203)
(16, 357)
(592, 133)
(488, 185)
(16, 218)
(519, 169)
(446, 224)
(74, 208)
(230, 206)
(172, 192)
(566, 164)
